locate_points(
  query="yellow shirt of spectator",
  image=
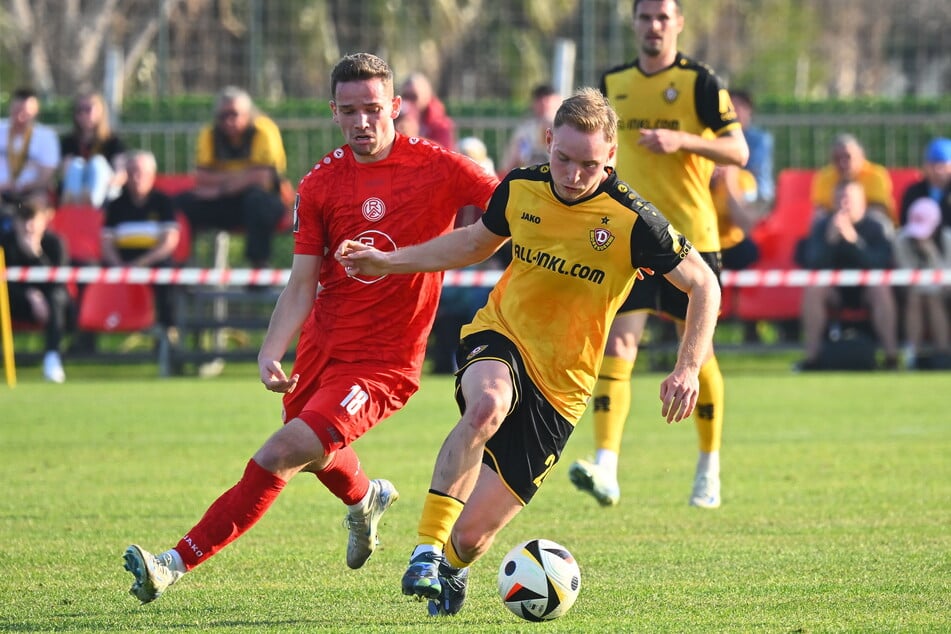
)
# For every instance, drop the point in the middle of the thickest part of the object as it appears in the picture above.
(873, 177)
(261, 147)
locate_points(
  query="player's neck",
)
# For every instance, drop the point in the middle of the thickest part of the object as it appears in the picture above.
(654, 64)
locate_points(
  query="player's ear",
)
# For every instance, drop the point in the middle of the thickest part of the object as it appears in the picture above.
(397, 106)
(333, 109)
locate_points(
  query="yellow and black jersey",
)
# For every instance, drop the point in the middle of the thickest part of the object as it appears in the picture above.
(139, 227)
(573, 264)
(686, 96)
(261, 146)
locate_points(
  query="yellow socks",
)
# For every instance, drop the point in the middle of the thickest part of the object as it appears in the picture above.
(453, 557)
(440, 512)
(709, 413)
(612, 402)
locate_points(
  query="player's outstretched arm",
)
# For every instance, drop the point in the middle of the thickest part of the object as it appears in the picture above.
(461, 247)
(679, 391)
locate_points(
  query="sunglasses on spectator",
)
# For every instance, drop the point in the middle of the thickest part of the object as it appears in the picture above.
(83, 109)
(228, 114)
(410, 96)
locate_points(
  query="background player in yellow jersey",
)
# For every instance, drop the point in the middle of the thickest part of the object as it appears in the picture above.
(676, 122)
(529, 359)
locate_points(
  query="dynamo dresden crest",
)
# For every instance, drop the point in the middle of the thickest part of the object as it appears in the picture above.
(600, 238)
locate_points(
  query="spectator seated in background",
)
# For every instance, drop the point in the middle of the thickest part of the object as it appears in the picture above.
(475, 149)
(29, 150)
(936, 184)
(528, 145)
(407, 120)
(734, 196)
(26, 242)
(923, 243)
(848, 163)
(847, 238)
(241, 165)
(761, 144)
(93, 168)
(434, 123)
(140, 229)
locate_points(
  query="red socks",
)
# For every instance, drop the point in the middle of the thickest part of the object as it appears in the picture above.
(344, 478)
(231, 515)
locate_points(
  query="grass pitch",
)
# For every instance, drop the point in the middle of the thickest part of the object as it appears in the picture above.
(835, 518)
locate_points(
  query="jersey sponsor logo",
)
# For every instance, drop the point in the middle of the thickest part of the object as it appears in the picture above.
(373, 209)
(647, 124)
(600, 238)
(671, 93)
(557, 265)
(378, 240)
(532, 218)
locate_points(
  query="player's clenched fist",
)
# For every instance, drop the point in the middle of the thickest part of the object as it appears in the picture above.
(360, 259)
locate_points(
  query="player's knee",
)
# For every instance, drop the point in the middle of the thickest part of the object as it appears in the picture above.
(486, 412)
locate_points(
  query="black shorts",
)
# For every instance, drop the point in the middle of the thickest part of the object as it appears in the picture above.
(530, 440)
(656, 294)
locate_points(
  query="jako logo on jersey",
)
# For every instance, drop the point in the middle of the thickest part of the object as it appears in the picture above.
(378, 240)
(531, 218)
(600, 238)
(476, 351)
(373, 209)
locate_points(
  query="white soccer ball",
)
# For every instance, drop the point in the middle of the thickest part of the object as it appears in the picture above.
(539, 580)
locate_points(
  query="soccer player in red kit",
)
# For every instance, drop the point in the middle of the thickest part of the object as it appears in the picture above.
(362, 339)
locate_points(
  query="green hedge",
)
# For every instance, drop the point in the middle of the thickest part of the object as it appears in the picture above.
(894, 132)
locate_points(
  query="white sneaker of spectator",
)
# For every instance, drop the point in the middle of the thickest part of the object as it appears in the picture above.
(53, 367)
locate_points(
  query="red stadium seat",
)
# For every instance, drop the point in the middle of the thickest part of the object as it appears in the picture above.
(116, 308)
(902, 177)
(184, 249)
(173, 184)
(776, 236)
(80, 227)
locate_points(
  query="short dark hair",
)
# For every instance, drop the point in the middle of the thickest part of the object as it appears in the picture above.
(357, 67)
(543, 90)
(738, 94)
(23, 93)
(677, 2)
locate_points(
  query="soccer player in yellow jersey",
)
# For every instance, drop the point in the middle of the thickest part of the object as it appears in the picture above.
(676, 121)
(529, 359)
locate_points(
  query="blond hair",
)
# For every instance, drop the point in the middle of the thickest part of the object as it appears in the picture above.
(588, 111)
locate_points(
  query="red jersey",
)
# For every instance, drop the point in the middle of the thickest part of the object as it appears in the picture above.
(409, 197)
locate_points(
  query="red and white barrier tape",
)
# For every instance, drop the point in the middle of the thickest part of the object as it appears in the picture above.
(279, 277)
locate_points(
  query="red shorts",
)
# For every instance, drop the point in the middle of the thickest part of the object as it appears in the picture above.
(342, 400)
